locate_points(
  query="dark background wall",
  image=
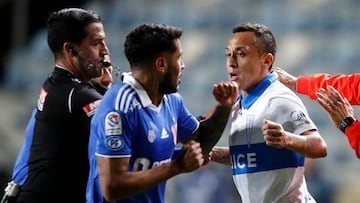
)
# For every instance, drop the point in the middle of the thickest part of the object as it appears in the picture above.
(22, 18)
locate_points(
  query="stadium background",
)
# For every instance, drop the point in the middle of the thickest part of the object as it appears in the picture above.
(312, 36)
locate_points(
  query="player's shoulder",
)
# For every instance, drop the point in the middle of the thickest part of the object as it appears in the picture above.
(123, 96)
(280, 95)
(83, 96)
(84, 90)
(279, 90)
(121, 91)
(175, 96)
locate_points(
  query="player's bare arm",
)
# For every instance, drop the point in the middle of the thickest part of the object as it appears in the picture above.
(309, 144)
(220, 155)
(118, 183)
(212, 127)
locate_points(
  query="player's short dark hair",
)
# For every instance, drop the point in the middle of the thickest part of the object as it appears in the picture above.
(265, 40)
(148, 41)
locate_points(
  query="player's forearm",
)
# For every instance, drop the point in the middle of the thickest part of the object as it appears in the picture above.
(125, 184)
(220, 155)
(310, 145)
(212, 128)
(347, 85)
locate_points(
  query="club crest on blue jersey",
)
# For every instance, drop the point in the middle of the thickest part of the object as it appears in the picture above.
(151, 136)
(114, 142)
(113, 124)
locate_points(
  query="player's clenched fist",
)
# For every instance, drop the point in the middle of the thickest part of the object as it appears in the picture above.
(274, 134)
(226, 93)
(191, 157)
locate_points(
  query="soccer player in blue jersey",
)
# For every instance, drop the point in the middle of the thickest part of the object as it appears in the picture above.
(139, 121)
(271, 132)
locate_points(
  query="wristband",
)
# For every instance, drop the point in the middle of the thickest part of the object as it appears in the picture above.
(346, 122)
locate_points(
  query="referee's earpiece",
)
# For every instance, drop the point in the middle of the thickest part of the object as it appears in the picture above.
(71, 50)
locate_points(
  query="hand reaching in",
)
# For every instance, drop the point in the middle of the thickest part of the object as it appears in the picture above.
(286, 78)
(336, 106)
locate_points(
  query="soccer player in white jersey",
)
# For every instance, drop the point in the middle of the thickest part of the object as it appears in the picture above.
(271, 132)
(139, 122)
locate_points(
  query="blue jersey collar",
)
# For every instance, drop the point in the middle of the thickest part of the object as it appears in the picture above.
(253, 95)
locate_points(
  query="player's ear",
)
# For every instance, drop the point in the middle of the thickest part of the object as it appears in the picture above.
(268, 60)
(160, 64)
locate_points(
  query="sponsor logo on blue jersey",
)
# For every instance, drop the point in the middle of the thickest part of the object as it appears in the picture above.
(114, 142)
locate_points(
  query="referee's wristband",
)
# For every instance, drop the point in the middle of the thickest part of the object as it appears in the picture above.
(346, 122)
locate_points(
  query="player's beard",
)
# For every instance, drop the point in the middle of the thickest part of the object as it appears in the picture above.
(168, 85)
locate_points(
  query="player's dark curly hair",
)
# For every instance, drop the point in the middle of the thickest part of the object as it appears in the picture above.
(147, 41)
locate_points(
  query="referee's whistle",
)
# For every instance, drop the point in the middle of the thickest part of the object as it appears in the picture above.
(106, 61)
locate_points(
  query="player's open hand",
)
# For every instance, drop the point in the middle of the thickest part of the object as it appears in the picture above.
(336, 106)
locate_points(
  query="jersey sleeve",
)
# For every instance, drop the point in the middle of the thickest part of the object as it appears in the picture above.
(111, 128)
(353, 134)
(187, 123)
(347, 85)
(291, 113)
(113, 137)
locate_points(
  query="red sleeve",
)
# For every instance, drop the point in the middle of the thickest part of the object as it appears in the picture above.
(353, 134)
(347, 85)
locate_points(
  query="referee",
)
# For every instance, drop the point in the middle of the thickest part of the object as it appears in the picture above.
(54, 155)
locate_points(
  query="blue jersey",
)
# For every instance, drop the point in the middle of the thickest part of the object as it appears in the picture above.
(127, 124)
(20, 170)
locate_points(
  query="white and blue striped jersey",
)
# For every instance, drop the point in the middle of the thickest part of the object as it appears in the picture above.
(261, 173)
(127, 124)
